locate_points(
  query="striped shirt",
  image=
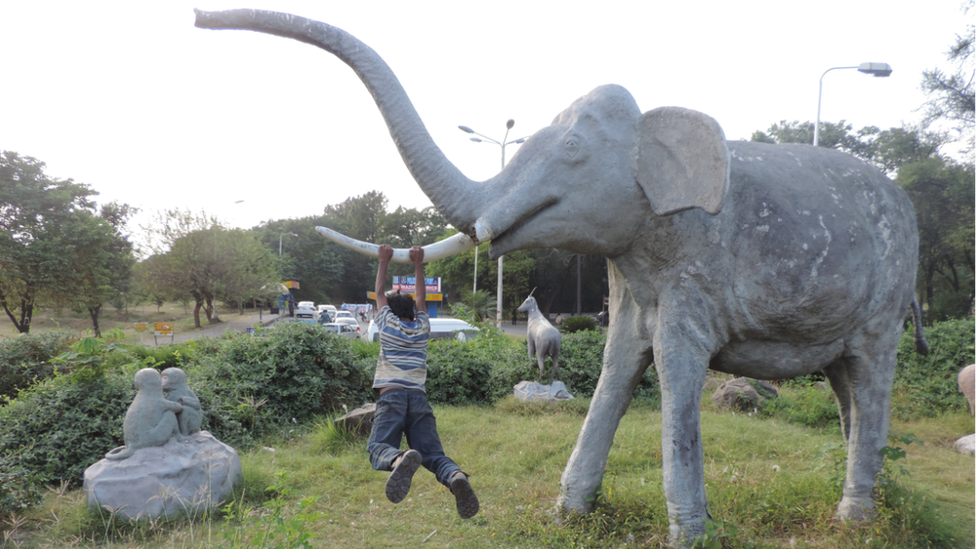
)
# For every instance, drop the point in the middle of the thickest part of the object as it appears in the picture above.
(403, 351)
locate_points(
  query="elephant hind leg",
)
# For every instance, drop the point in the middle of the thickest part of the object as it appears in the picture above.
(840, 383)
(868, 376)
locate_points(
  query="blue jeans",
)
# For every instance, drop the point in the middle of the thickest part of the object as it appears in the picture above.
(406, 412)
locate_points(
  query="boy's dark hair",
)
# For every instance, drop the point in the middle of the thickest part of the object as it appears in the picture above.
(400, 304)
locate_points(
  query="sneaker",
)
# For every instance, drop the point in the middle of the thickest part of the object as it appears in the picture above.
(464, 496)
(398, 485)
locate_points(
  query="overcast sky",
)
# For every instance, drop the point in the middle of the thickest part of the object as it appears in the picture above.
(133, 100)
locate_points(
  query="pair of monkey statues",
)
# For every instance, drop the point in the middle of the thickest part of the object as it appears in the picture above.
(164, 407)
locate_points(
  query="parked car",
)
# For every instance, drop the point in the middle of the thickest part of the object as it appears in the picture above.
(348, 322)
(343, 330)
(309, 304)
(345, 314)
(440, 328)
(306, 312)
(327, 311)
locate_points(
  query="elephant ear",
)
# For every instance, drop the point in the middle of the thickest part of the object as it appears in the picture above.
(682, 160)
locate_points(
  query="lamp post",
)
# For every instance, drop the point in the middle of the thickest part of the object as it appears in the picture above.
(485, 139)
(878, 70)
(279, 241)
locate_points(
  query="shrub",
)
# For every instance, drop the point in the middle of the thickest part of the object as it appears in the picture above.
(57, 428)
(469, 372)
(926, 386)
(573, 324)
(804, 403)
(27, 359)
(254, 384)
(580, 365)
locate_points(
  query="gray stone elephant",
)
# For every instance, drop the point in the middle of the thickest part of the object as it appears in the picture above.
(767, 261)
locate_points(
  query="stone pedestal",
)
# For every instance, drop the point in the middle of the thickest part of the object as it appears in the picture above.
(177, 477)
(532, 391)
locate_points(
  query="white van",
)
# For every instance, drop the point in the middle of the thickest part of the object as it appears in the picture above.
(440, 328)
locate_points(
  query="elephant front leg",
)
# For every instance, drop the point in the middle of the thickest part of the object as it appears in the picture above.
(682, 376)
(625, 361)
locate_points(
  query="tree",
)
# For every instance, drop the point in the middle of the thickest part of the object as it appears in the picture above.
(951, 97)
(44, 224)
(213, 264)
(886, 149)
(943, 195)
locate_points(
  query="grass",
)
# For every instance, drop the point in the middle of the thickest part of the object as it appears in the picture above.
(81, 324)
(773, 483)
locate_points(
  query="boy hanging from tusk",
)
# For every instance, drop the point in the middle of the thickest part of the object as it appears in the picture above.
(402, 408)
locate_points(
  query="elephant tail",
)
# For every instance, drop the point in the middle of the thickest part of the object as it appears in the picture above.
(921, 346)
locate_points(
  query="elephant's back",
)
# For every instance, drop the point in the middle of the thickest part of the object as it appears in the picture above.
(817, 232)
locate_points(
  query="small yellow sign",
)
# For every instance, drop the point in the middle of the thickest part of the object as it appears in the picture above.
(142, 326)
(163, 328)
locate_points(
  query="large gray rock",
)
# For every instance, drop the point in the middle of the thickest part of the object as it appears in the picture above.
(165, 480)
(532, 391)
(967, 386)
(359, 421)
(966, 445)
(743, 394)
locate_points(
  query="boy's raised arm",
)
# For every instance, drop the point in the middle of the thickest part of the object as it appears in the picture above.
(420, 283)
(386, 253)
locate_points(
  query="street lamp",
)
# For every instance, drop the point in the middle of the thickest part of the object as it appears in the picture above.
(485, 139)
(878, 70)
(279, 241)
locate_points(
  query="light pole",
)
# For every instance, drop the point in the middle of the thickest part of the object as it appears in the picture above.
(483, 139)
(878, 70)
(279, 241)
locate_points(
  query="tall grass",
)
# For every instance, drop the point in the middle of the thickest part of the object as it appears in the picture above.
(770, 482)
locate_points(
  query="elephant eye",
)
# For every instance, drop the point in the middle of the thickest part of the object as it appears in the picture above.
(572, 148)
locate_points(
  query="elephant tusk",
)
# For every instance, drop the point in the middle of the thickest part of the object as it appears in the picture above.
(432, 252)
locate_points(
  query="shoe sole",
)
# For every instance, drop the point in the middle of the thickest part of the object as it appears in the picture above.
(465, 498)
(398, 485)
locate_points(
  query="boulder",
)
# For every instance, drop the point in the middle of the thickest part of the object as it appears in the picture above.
(966, 445)
(533, 391)
(359, 421)
(165, 480)
(967, 385)
(743, 394)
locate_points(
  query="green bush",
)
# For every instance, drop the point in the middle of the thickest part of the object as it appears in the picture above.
(950, 304)
(573, 324)
(471, 372)
(26, 359)
(804, 403)
(252, 385)
(580, 365)
(926, 386)
(57, 428)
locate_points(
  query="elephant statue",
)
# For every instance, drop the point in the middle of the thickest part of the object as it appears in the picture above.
(758, 260)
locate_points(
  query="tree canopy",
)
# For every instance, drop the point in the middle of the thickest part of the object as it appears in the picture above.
(54, 249)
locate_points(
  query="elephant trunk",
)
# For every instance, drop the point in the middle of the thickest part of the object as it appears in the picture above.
(454, 195)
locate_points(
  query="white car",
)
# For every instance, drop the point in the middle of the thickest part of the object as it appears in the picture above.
(440, 328)
(304, 312)
(343, 330)
(328, 311)
(348, 322)
(308, 304)
(345, 314)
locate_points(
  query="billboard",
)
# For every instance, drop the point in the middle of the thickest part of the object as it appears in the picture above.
(408, 284)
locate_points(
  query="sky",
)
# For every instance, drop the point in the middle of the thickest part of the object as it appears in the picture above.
(133, 100)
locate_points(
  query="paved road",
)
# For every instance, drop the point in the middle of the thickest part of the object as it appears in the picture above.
(239, 323)
(232, 322)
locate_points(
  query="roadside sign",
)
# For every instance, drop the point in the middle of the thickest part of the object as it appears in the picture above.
(142, 326)
(163, 328)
